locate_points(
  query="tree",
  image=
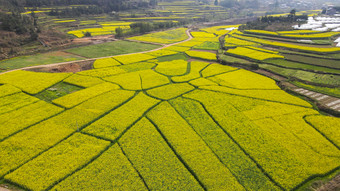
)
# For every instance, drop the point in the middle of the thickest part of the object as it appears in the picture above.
(292, 15)
(216, 2)
(87, 34)
(293, 12)
(35, 19)
(119, 32)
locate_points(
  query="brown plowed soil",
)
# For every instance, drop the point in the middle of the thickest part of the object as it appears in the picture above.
(67, 67)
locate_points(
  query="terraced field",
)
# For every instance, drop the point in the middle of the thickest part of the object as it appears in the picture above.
(294, 55)
(172, 119)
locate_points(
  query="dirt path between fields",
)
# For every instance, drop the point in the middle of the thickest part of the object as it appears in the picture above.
(55, 66)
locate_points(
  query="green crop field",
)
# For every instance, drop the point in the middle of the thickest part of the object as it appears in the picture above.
(326, 90)
(111, 48)
(38, 59)
(291, 64)
(167, 37)
(169, 119)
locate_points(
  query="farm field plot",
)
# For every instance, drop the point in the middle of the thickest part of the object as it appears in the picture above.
(254, 54)
(166, 37)
(296, 35)
(38, 59)
(104, 30)
(316, 65)
(111, 49)
(163, 120)
(328, 79)
(288, 46)
(291, 64)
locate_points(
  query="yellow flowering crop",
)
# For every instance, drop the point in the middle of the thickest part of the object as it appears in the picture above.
(170, 91)
(202, 35)
(15, 101)
(121, 174)
(105, 62)
(270, 95)
(296, 125)
(58, 162)
(146, 122)
(166, 37)
(312, 36)
(115, 23)
(192, 149)
(114, 124)
(230, 154)
(253, 54)
(298, 32)
(243, 79)
(202, 39)
(262, 49)
(32, 82)
(327, 125)
(217, 29)
(113, 28)
(202, 82)
(201, 54)
(177, 48)
(235, 41)
(23, 117)
(83, 81)
(93, 31)
(214, 69)
(138, 66)
(281, 167)
(195, 68)
(189, 43)
(221, 32)
(297, 147)
(102, 72)
(6, 90)
(132, 58)
(172, 68)
(70, 100)
(65, 21)
(162, 52)
(292, 46)
(144, 79)
(154, 160)
(36, 139)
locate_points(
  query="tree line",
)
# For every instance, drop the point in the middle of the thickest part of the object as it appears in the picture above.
(89, 6)
(262, 22)
(144, 27)
(20, 24)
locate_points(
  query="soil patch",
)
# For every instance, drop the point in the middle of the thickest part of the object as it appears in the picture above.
(66, 67)
(333, 185)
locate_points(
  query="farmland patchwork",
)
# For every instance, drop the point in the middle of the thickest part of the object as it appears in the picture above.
(142, 123)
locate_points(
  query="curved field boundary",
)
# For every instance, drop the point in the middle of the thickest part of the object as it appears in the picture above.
(93, 59)
(290, 41)
(325, 102)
